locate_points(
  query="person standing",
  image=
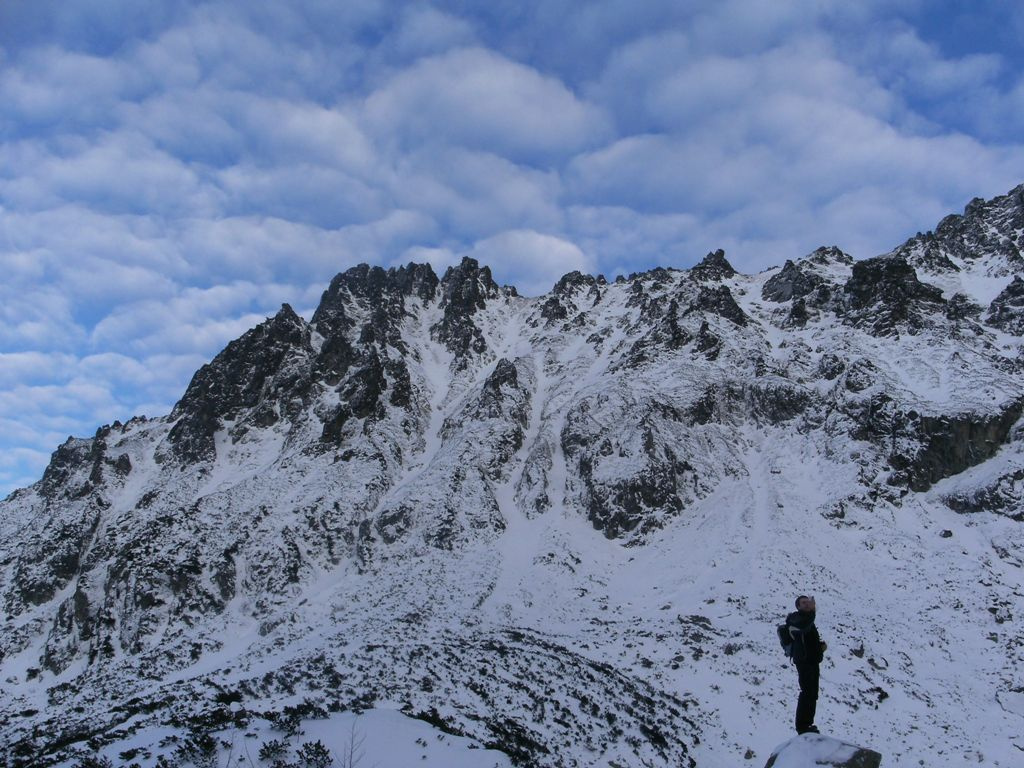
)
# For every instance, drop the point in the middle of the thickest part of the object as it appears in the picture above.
(807, 652)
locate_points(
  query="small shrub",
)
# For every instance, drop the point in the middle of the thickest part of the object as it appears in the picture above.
(200, 749)
(313, 754)
(287, 722)
(273, 748)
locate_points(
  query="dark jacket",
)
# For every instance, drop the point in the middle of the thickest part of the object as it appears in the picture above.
(807, 645)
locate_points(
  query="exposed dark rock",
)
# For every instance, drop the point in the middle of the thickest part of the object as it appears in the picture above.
(336, 356)
(401, 383)
(860, 374)
(707, 343)
(123, 465)
(791, 282)
(667, 334)
(392, 524)
(773, 402)
(829, 255)
(266, 365)
(647, 292)
(451, 528)
(988, 229)
(502, 397)
(798, 315)
(49, 561)
(830, 366)
(417, 280)
(960, 308)
(776, 401)
(925, 449)
(465, 289)
(659, 484)
(929, 253)
(713, 267)
(659, 277)
(1004, 496)
(69, 459)
(334, 423)
(364, 387)
(332, 316)
(501, 411)
(382, 290)
(884, 296)
(827, 296)
(638, 503)
(97, 455)
(559, 303)
(1006, 311)
(705, 408)
(553, 310)
(720, 301)
(504, 374)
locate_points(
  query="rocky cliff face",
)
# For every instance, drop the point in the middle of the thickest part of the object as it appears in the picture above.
(555, 525)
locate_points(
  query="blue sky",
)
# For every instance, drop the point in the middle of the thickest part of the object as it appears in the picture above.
(171, 172)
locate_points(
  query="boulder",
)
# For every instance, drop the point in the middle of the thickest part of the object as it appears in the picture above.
(811, 750)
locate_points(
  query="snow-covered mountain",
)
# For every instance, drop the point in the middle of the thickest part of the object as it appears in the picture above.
(562, 527)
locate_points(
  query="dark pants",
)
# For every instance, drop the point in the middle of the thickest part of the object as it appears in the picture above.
(808, 701)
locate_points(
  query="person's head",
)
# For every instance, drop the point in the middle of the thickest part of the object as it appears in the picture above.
(805, 604)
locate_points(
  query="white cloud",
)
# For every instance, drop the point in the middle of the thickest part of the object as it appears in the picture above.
(424, 30)
(21, 367)
(118, 173)
(623, 240)
(476, 99)
(56, 87)
(474, 193)
(920, 66)
(196, 319)
(212, 160)
(440, 259)
(37, 317)
(768, 149)
(531, 261)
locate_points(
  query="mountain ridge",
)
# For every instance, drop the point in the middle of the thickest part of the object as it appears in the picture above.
(467, 479)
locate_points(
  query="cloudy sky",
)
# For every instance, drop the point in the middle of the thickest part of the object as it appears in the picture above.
(171, 172)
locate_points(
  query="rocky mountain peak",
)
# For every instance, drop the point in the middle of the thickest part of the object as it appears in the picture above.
(465, 290)
(573, 281)
(569, 292)
(417, 280)
(468, 286)
(829, 254)
(988, 236)
(255, 374)
(713, 267)
(375, 289)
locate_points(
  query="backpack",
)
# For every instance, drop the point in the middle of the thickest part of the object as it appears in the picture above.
(785, 639)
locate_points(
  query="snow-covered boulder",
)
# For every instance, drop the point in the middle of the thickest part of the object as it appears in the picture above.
(810, 750)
